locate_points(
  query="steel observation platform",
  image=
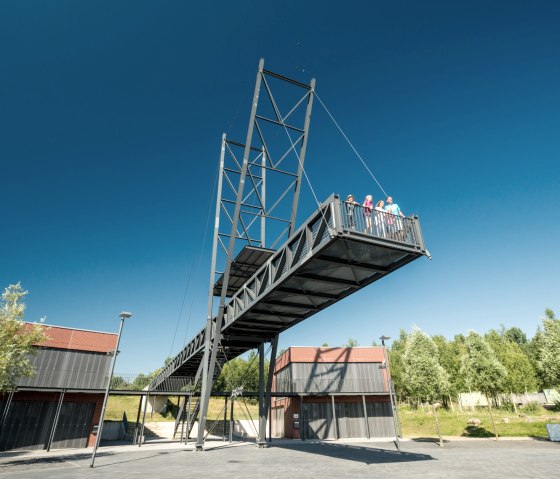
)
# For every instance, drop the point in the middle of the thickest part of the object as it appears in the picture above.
(332, 255)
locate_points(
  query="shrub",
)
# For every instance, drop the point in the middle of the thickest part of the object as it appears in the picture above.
(507, 406)
(532, 408)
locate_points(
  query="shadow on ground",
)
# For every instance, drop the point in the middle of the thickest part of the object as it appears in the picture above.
(348, 452)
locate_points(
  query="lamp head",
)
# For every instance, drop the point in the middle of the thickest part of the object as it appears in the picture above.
(384, 338)
(125, 315)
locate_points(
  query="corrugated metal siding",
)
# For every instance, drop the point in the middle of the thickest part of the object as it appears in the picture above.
(29, 425)
(380, 419)
(57, 368)
(350, 420)
(331, 378)
(74, 425)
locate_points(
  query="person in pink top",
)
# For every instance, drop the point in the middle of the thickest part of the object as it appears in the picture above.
(368, 207)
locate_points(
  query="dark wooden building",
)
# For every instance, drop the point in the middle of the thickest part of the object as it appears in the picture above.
(332, 393)
(72, 368)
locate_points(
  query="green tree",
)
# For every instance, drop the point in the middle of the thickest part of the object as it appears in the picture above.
(482, 370)
(516, 335)
(520, 375)
(397, 366)
(549, 350)
(450, 354)
(16, 338)
(241, 372)
(351, 343)
(426, 379)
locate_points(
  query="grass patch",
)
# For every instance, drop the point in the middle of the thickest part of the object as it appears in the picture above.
(117, 405)
(416, 423)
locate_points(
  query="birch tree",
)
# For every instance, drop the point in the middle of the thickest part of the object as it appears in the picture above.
(16, 338)
(549, 350)
(482, 370)
(423, 374)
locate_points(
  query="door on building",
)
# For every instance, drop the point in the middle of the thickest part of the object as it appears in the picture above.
(278, 422)
(318, 420)
(350, 420)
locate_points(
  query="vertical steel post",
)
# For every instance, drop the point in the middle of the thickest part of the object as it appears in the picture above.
(189, 418)
(271, 367)
(231, 423)
(208, 371)
(263, 199)
(100, 427)
(141, 438)
(261, 440)
(55, 422)
(6, 409)
(302, 157)
(270, 424)
(396, 406)
(336, 436)
(135, 437)
(388, 377)
(301, 422)
(183, 415)
(366, 416)
(210, 302)
(225, 420)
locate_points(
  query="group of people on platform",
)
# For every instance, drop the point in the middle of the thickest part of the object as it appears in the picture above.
(384, 219)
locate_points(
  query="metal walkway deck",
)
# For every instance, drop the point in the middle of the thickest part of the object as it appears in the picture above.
(332, 255)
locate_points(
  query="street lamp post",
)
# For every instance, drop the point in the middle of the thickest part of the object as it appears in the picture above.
(123, 315)
(390, 386)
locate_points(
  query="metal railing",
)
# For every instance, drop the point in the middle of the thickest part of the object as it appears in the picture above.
(128, 382)
(380, 224)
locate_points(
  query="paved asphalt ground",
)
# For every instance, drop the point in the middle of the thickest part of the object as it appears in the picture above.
(458, 458)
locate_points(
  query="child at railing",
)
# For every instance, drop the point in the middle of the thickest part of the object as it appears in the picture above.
(350, 204)
(368, 207)
(380, 219)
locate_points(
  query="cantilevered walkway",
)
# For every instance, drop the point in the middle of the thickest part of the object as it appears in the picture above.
(332, 255)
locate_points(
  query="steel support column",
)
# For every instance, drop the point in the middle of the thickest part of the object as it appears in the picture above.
(6, 410)
(366, 416)
(225, 420)
(261, 440)
(301, 157)
(135, 437)
(55, 422)
(336, 435)
(388, 378)
(231, 423)
(141, 438)
(189, 418)
(208, 367)
(271, 367)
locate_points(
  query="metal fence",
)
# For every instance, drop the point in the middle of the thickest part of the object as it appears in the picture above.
(380, 224)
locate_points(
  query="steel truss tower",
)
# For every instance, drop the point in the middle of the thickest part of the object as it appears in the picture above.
(258, 191)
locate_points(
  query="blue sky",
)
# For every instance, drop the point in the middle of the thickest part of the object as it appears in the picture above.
(111, 117)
